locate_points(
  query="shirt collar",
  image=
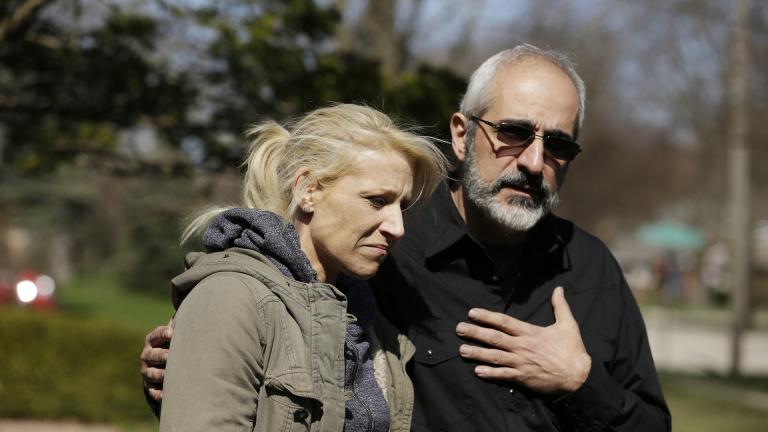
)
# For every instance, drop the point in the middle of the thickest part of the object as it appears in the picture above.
(448, 227)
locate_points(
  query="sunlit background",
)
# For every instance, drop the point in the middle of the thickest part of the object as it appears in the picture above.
(120, 118)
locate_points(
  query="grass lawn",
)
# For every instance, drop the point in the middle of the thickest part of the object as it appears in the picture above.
(100, 296)
(704, 404)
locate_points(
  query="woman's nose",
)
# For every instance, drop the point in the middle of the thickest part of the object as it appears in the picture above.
(392, 226)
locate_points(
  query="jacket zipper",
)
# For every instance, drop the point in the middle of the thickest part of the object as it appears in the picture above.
(356, 354)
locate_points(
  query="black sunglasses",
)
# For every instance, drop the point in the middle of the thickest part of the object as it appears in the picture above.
(518, 137)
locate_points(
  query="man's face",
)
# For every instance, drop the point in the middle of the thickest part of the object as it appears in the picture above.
(517, 189)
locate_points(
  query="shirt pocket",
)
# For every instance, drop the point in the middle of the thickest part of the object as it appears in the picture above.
(443, 378)
(600, 349)
(281, 411)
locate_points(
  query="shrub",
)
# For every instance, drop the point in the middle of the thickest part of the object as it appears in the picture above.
(58, 366)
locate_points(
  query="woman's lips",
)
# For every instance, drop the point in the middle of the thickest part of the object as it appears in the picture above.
(381, 249)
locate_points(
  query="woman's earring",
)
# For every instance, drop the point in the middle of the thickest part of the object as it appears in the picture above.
(307, 208)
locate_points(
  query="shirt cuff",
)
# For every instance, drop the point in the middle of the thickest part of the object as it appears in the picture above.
(596, 402)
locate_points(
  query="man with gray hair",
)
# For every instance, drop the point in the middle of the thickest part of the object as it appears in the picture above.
(480, 280)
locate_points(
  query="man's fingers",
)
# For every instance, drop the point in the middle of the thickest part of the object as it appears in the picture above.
(153, 376)
(155, 356)
(489, 355)
(488, 336)
(499, 321)
(498, 373)
(156, 394)
(560, 306)
(160, 336)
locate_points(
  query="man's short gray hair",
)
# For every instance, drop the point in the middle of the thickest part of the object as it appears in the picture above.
(480, 91)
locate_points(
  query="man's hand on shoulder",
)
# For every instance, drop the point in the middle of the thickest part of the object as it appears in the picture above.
(153, 359)
(549, 359)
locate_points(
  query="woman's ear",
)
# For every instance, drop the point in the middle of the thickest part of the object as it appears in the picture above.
(459, 126)
(303, 189)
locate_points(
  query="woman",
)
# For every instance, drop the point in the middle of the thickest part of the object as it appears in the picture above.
(263, 340)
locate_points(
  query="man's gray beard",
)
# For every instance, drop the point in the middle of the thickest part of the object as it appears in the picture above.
(521, 213)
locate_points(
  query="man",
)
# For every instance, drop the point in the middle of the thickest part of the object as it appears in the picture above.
(480, 279)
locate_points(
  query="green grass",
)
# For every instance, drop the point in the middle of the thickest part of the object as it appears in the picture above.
(86, 303)
(709, 404)
(101, 296)
(59, 366)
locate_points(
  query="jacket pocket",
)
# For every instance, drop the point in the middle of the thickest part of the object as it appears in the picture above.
(283, 412)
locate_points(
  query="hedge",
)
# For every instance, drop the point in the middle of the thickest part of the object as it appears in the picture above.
(57, 366)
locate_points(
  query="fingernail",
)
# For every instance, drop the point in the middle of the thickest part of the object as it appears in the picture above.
(481, 371)
(167, 333)
(464, 349)
(473, 313)
(462, 328)
(165, 357)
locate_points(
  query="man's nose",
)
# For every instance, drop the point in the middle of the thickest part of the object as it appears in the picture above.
(532, 158)
(392, 226)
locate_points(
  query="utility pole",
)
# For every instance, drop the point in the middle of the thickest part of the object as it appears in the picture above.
(739, 182)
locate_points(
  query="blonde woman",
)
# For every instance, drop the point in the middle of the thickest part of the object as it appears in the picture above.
(271, 332)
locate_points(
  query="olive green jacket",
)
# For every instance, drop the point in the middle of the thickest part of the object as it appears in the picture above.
(253, 350)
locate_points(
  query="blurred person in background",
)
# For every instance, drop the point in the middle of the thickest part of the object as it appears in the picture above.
(271, 329)
(487, 247)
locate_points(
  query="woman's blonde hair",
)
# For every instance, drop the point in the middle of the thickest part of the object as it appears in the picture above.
(326, 142)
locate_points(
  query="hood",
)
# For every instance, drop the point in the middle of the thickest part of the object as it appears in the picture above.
(200, 265)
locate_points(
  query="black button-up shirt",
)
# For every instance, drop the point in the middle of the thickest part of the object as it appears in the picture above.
(437, 272)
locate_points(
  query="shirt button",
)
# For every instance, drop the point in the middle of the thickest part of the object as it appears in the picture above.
(518, 405)
(511, 390)
(494, 278)
(429, 353)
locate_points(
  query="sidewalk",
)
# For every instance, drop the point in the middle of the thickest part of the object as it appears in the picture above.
(52, 426)
(682, 345)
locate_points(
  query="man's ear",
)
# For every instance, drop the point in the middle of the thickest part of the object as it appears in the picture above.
(459, 126)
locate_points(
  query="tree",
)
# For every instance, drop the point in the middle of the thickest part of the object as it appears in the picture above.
(135, 112)
(67, 93)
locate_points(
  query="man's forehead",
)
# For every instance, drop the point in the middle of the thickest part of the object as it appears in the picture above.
(537, 91)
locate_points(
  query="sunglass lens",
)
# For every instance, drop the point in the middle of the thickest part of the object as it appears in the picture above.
(515, 135)
(562, 148)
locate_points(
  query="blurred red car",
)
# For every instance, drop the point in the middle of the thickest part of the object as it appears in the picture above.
(28, 288)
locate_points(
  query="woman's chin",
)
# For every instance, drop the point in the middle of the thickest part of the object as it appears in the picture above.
(363, 273)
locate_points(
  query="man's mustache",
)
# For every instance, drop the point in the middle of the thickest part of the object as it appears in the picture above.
(534, 185)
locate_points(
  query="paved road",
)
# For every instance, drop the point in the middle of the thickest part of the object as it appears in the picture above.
(680, 345)
(52, 426)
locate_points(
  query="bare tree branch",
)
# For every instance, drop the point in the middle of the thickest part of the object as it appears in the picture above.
(24, 11)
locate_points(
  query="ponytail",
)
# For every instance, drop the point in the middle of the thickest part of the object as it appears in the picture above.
(262, 188)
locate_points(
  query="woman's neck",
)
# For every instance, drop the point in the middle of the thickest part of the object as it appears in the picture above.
(324, 275)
